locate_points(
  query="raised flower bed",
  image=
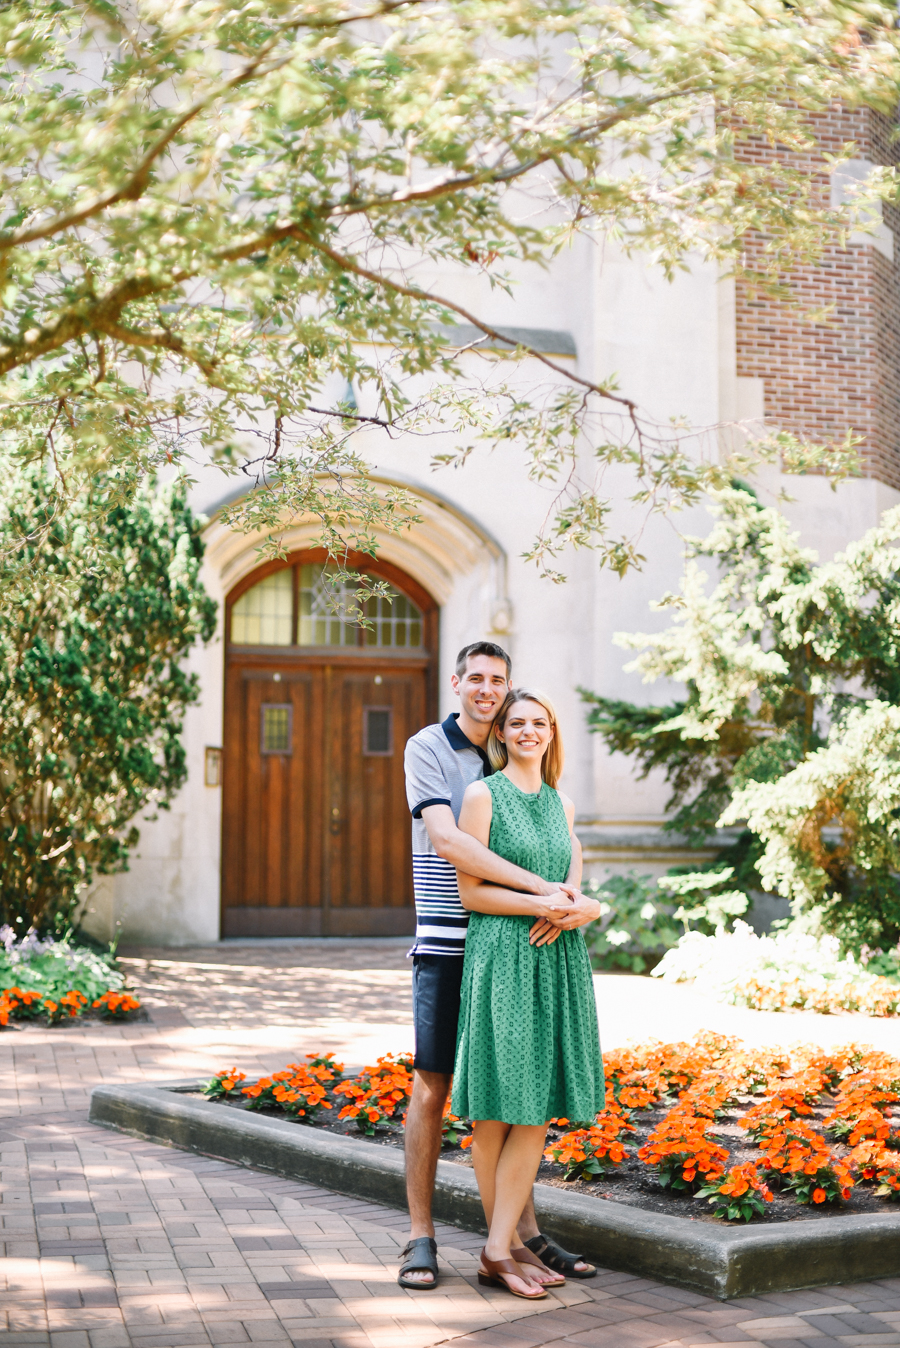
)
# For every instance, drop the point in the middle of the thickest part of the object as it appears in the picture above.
(794, 1151)
(758, 1133)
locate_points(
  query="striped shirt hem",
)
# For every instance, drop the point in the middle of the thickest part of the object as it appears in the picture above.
(441, 920)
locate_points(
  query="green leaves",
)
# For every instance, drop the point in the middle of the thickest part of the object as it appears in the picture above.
(92, 692)
(636, 928)
(213, 212)
(831, 827)
(769, 733)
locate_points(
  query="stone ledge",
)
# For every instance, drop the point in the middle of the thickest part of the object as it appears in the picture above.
(718, 1260)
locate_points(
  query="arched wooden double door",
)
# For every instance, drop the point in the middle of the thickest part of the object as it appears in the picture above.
(315, 828)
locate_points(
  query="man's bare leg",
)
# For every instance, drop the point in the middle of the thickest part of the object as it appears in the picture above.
(423, 1147)
(528, 1228)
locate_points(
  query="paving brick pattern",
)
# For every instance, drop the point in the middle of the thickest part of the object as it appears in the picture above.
(109, 1242)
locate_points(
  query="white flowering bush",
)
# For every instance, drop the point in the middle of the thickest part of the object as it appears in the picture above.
(831, 827)
(53, 967)
(789, 970)
(789, 727)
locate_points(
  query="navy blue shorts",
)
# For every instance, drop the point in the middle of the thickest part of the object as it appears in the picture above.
(437, 980)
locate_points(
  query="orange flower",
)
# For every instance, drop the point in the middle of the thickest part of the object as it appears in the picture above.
(819, 1195)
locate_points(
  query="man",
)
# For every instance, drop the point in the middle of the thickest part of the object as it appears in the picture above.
(441, 761)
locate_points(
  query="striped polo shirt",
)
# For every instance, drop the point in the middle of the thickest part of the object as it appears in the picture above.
(440, 763)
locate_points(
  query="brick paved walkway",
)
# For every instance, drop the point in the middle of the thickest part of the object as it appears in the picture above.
(110, 1242)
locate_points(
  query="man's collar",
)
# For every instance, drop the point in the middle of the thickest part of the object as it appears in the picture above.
(458, 740)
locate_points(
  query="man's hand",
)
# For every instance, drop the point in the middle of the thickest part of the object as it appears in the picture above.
(578, 913)
(544, 888)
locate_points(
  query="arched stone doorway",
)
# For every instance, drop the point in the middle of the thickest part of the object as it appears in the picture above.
(315, 827)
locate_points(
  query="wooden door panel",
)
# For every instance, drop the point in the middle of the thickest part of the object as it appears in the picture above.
(370, 866)
(272, 834)
(317, 841)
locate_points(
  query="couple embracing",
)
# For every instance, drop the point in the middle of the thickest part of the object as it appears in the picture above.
(503, 1000)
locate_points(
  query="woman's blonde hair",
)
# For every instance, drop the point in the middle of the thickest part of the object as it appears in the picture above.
(554, 755)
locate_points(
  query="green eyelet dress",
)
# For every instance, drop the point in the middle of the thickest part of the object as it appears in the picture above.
(528, 1048)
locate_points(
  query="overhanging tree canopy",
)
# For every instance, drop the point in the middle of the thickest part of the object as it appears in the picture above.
(211, 208)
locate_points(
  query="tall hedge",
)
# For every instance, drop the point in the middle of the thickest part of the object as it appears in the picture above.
(94, 629)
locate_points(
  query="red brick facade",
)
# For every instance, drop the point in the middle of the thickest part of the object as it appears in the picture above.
(823, 378)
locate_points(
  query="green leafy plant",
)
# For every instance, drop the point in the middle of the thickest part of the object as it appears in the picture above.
(454, 1130)
(590, 1151)
(49, 967)
(639, 923)
(246, 242)
(831, 829)
(705, 905)
(92, 689)
(739, 1195)
(769, 731)
(225, 1084)
(635, 928)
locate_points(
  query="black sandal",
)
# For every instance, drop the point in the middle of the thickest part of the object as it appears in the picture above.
(422, 1254)
(558, 1259)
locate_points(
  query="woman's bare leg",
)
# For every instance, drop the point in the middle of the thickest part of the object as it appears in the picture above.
(487, 1144)
(506, 1159)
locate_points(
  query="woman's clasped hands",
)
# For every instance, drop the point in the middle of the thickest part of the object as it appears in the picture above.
(563, 910)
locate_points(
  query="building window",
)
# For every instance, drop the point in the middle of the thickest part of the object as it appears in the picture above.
(264, 615)
(275, 730)
(307, 606)
(395, 622)
(377, 732)
(322, 601)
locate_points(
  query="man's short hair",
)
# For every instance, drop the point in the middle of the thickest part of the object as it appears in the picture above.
(489, 648)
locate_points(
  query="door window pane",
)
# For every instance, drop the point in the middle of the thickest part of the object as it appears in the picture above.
(263, 616)
(395, 622)
(323, 602)
(275, 730)
(377, 732)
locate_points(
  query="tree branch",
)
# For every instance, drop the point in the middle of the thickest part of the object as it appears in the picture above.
(413, 292)
(160, 339)
(86, 316)
(137, 183)
(489, 176)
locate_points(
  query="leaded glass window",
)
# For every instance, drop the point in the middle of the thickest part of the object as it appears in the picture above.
(322, 602)
(265, 614)
(275, 728)
(395, 622)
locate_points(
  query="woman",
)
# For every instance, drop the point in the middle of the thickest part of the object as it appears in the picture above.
(528, 1049)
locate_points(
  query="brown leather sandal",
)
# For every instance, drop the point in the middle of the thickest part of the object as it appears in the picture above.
(525, 1256)
(498, 1270)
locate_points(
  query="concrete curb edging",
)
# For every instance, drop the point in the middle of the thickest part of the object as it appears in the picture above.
(718, 1260)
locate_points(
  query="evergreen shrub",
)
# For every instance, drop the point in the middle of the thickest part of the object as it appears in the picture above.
(93, 631)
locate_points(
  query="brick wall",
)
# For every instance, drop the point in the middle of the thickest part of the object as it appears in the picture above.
(823, 378)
